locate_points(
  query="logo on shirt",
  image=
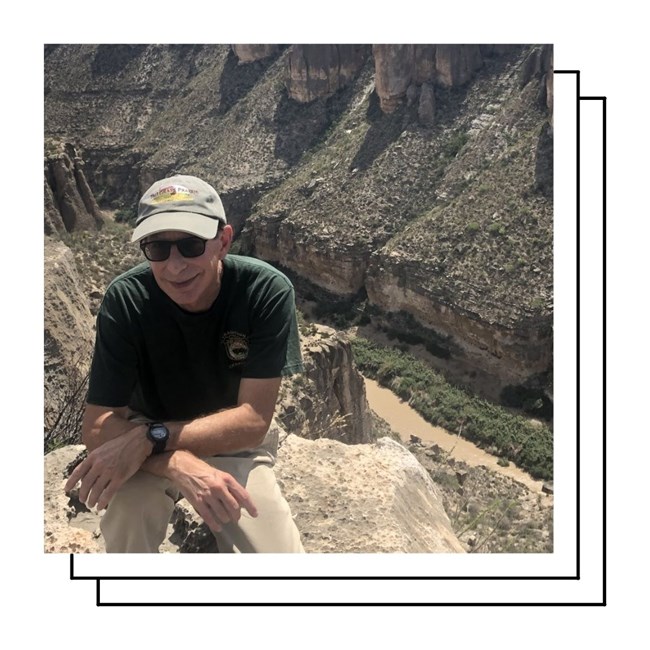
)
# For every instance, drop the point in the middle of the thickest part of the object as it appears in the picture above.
(236, 345)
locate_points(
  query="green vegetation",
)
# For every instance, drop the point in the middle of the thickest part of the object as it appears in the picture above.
(455, 143)
(126, 215)
(490, 426)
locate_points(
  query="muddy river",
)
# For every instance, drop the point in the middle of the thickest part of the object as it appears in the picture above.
(406, 421)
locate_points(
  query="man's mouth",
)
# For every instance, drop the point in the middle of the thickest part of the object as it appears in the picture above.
(183, 284)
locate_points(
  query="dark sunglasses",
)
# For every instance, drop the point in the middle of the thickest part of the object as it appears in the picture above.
(159, 250)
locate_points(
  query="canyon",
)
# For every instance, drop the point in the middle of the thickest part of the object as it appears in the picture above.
(413, 180)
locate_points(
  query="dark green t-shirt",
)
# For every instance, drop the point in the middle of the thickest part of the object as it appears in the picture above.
(169, 364)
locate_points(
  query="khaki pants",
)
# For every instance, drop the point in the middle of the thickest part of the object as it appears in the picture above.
(137, 517)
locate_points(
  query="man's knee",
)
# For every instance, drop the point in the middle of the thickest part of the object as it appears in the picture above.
(136, 518)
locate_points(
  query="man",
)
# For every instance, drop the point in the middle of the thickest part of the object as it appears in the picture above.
(189, 354)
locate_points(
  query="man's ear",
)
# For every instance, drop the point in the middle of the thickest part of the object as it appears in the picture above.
(226, 234)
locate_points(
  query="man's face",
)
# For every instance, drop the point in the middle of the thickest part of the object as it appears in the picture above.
(193, 283)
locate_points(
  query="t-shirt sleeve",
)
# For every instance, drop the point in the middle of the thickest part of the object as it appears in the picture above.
(274, 343)
(113, 370)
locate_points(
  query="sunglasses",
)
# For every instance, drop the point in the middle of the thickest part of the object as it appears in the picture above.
(159, 250)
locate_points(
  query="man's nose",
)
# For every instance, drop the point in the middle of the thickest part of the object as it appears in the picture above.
(175, 262)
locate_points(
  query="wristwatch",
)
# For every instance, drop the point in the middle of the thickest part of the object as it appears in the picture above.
(158, 433)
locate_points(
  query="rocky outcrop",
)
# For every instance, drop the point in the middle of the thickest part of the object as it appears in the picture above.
(308, 251)
(345, 499)
(68, 525)
(539, 65)
(363, 498)
(69, 201)
(399, 67)
(250, 53)
(69, 338)
(53, 221)
(394, 69)
(320, 70)
(509, 352)
(457, 64)
(329, 399)
(427, 105)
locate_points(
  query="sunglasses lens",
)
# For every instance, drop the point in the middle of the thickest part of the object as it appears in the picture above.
(191, 246)
(156, 251)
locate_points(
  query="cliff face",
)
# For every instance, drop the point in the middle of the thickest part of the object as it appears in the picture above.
(419, 176)
(399, 68)
(68, 344)
(329, 400)
(320, 70)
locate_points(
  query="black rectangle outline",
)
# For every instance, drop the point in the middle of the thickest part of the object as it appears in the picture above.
(98, 579)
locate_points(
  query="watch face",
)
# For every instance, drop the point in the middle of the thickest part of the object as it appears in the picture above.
(158, 432)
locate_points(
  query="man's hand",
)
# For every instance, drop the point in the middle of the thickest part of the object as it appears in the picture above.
(215, 495)
(109, 466)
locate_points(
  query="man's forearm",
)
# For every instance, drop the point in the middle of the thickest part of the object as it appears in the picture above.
(232, 430)
(100, 425)
(228, 431)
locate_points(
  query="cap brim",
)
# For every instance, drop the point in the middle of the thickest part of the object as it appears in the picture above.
(189, 222)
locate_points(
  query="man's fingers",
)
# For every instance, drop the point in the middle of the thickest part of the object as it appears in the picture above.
(220, 512)
(208, 517)
(77, 474)
(99, 486)
(87, 483)
(243, 497)
(108, 493)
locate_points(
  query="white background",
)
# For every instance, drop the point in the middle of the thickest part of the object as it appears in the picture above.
(41, 604)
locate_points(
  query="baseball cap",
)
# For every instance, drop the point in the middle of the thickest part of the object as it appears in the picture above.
(184, 203)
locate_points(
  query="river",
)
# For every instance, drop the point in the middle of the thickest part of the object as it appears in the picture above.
(406, 422)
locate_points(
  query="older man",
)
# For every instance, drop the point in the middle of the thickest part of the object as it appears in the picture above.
(189, 354)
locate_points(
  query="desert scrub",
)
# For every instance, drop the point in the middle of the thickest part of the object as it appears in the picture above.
(512, 437)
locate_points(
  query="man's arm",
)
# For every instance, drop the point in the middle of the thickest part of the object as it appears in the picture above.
(118, 447)
(236, 429)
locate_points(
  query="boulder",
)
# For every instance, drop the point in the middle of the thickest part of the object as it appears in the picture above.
(373, 498)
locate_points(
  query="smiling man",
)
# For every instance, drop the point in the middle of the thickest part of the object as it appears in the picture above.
(189, 354)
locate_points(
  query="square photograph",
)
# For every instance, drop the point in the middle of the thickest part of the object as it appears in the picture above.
(299, 298)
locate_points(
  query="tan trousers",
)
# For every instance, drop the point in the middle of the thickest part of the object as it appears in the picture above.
(137, 517)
